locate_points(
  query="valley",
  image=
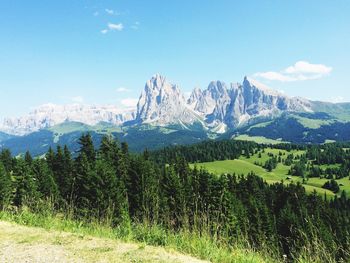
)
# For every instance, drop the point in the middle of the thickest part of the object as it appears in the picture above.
(174, 131)
(211, 200)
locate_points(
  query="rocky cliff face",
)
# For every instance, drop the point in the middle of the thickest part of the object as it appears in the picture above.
(254, 100)
(239, 103)
(162, 103)
(217, 108)
(49, 115)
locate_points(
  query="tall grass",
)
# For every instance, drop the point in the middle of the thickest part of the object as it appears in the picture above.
(195, 243)
(314, 250)
(192, 243)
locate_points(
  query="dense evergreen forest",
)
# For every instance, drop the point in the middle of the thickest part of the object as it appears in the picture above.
(159, 188)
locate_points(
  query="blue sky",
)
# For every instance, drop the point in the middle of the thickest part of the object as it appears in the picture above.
(102, 52)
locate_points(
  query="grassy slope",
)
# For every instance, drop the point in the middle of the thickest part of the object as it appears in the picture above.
(28, 244)
(96, 242)
(245, 165)
(257, 139)
(312, 123)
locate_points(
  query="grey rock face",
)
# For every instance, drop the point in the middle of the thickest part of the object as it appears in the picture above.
(162, 103)
(217, 108)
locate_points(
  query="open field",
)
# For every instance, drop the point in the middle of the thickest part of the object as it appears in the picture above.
(258, 139)
(246, 165)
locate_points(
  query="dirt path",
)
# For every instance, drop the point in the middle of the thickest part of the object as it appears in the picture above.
(27, 244)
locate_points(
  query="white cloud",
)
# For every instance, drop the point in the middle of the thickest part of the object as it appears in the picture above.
(109, 11)
(123, 89)
(301, 70)
(113, 27)
(129, 102)
(304, 67)
(77, 99)
(118, 27)
(271, 75)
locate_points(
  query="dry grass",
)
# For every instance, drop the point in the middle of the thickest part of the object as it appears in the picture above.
(28, 244)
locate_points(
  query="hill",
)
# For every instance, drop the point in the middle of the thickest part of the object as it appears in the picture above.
(246, 165)
(304, 128)
(68, 133)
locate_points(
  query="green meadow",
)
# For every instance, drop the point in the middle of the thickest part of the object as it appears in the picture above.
(244, 165)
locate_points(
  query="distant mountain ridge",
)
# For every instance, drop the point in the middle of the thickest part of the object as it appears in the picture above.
(164, 116)
(49, 115)
(218, 108)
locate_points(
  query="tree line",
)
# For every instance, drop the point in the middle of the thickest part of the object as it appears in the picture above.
(150, 188)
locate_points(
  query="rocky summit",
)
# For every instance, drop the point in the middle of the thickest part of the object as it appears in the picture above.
(218, 108)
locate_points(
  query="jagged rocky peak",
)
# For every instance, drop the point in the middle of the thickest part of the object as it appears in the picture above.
(217, 89)
(159, 84)
(218, 107)
(206, 101)
(196, 95)
(162, 103)
(260, 99)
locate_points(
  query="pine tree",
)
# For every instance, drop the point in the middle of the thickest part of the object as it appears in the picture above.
(68, 180)
(111, 153)
(150, 191)
(28, 158)
(134, 187)
(107, 189)
(58, 169)
(86, 190)
(174, 192)
(5, 187)
(45, 181)
(50, 158)
(125, 148)
(87, 148)
(107, 147)
(26, 185)
(7, 160)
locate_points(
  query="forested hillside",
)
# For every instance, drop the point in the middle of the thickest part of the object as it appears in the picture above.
(159, 189)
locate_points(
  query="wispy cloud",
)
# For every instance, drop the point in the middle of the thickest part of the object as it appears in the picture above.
(129, 102)
(301, 70)
(123, 89)
(118, 27)
(96, 13)
(112, 27)
(110, 11)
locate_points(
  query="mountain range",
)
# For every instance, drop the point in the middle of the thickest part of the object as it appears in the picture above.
(248, 110)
